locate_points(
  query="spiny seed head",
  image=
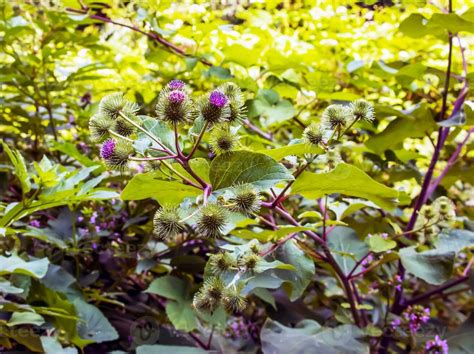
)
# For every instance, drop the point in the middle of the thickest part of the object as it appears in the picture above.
(175, 106)
(222, 140)
(236, 101)
(249, 261)
(211, 220)
(176, 85)
(116, 153)
(99, 126)
(123, 127)
(428, 212)
(313, 134)
(362, 110)
(233, 301)
(204, 303)
(214, 107)
(445, 208)
(246, 200)
(254, 247)
(221, 262)
(114, 104)
(166, 222)
(213, 287)
(336, 117)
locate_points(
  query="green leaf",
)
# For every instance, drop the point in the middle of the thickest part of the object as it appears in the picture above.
(181, 315)
(455, 241)
(93, 325)
(348, 180)
(155, 185)
(418, 125)
(291, 150)
(246, 167)
(279, 339)
(298, 280)
(346, 247)
(271, 108)
(20, 167)
(166, 349)
(159, 129)
(239, 54)
(169, 287)
(52, 346)
(14, 264)
(452, 22)
(7, 288)
(20, 318)
(379, 244)
(433, 266)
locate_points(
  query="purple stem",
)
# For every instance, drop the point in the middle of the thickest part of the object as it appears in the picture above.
(452, 160)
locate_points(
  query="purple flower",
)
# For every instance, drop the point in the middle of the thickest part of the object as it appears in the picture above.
(35, 223)
(218, 99)
(177, 96)
(107, 149)
(437, 346)
(176, 84)
(396, 323)
(415, 316)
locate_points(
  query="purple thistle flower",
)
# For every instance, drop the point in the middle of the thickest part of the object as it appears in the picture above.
(177, 96)
(218, 99)
(437, 346)
(107, 149)
(176, 84)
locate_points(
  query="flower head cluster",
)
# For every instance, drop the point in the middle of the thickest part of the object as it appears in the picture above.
(338, 118)
(174, 105)
(437, 346)
(362, 110)
(415, 316)
(176, 84)
(114, 115)
(222, 140)
(214, 107)
(167, 222)
(211, 220)
(245, 200)
(433, 218)
(116, 153)
(236, 101)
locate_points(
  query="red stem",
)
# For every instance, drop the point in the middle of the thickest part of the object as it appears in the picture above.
(154, 36)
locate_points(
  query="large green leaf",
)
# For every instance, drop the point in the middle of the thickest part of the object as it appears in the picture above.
(291, 150)
(271, 108)
(181, 315)
(419, 122)
(247, 167)
(455, 240)
(433, 266)
(93, 325)
(19, 318)
(309, 337)
(52, 346)
(346, 247)
(155, 185)
(14, 264)
(169, 287)
(348, 180)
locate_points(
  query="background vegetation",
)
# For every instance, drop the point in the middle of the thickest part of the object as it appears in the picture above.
(81, 270)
